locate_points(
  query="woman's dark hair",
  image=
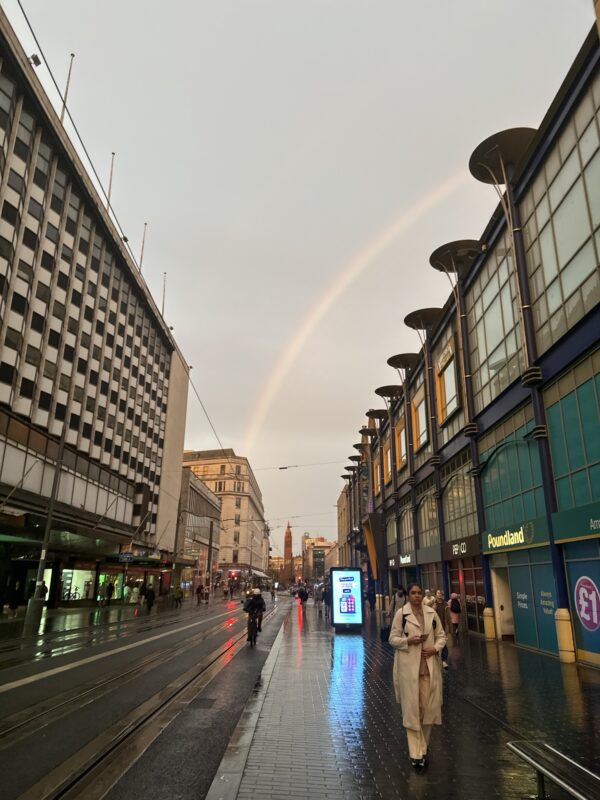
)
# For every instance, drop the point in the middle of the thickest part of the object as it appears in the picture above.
(411, 585)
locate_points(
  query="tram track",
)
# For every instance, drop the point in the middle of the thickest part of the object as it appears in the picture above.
(33, 718)
(91, 771)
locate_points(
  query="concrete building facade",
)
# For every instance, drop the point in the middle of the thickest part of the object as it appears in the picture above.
(244, 540)
(92, 385)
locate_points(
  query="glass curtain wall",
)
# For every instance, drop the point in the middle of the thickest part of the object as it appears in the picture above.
(561, 222)
(494, 335)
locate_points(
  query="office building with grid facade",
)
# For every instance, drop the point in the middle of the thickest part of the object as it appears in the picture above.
(88, 368)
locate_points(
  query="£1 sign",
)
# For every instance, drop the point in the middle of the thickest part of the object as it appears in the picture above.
(587, 602)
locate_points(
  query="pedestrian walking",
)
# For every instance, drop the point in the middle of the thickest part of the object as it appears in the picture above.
(43, 590)
(135, 595)
(441, 609)
(455, 612)
(272, 594)
(231, 591)
(177, 596)
(398, 602)
(110, 590)
(149, 598)
(102, 594)
(371, 598)
(418, 636)
(199, 594)
(13, 598)
(429, 598)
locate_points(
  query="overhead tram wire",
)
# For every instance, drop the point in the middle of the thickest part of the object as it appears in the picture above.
(229, 461)
(299, 466)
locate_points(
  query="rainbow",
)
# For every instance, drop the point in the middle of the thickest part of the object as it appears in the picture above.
(344, 278)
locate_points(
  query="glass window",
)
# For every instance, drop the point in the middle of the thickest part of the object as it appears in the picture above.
(421, 418)
(448, 397)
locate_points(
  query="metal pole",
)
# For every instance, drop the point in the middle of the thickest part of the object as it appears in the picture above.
(64, 105)
(162, 310)
(209, 560)
(110, 179)
(36, 603)
(143, 243)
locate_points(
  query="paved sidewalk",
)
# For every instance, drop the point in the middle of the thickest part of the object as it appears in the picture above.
(325, 723)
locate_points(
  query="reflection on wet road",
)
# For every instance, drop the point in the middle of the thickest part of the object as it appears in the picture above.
(65, 633)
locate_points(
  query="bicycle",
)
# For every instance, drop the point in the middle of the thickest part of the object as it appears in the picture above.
(253, 628)
(74, 595)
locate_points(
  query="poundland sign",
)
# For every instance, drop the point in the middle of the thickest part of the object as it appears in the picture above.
(529, 534)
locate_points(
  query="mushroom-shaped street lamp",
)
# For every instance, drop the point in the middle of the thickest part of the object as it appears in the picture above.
(368, 432)
(496, 161)
(354, 458)
(424, 319)
(377, 413)
(456, 258)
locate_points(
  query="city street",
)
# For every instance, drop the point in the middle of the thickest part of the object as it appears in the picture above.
(71, 700)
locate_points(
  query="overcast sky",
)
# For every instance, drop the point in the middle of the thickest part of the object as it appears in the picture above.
(297, 161)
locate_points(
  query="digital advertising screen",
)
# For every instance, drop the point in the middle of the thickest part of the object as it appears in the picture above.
(346, 596)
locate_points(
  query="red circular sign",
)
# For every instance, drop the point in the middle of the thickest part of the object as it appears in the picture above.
(587, 603)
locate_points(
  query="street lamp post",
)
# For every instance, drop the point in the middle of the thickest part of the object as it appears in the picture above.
(209, 560)
(35, 605)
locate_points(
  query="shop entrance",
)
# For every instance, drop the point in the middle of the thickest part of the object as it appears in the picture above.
(503, 610)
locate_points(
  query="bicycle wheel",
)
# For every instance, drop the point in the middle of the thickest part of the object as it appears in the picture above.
(252, 632)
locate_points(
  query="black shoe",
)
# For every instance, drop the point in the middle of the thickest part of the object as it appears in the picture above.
(259, 630)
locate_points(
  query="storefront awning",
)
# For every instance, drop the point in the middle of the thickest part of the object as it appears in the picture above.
(259, 574)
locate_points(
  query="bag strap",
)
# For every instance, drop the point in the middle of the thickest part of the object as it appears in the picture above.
(404, 616)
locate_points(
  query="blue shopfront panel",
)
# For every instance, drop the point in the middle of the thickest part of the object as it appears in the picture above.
(584, 588)
(523, 606)
(544, 598)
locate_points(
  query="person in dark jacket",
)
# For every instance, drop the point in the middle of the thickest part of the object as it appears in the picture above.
(110, 589)
(149, 598)
(255, 603)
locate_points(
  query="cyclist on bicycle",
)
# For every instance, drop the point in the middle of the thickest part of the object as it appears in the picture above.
(255, 604)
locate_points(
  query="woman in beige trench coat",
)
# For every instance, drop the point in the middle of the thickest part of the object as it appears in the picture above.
(418, 637)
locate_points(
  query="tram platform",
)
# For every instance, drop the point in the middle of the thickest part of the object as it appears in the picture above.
(323, 721)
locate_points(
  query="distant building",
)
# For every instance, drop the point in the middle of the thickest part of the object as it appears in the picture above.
(288, 569)
(297, 574)
(198, 531)
(314, 552)
(244, 541)
(276, 568)
(332, 559)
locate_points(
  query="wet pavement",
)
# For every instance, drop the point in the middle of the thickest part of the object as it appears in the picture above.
(65, 618)
(325, 722)
(65, 630)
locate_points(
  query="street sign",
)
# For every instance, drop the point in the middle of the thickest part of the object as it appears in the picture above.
(126, 557)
